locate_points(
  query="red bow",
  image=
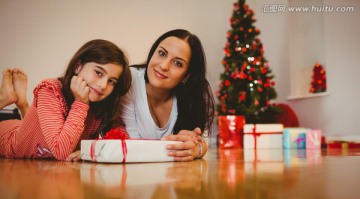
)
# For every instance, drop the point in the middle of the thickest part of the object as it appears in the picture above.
(112, 134)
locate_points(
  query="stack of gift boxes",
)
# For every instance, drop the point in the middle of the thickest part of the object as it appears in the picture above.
(268, 138)
(275, 136)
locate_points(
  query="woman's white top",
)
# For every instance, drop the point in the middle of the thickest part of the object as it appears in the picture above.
(136, 113)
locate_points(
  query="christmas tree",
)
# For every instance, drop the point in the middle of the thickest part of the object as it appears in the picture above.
(318, 82)
(246, 84)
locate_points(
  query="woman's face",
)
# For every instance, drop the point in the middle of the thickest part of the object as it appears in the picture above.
(101, 79)
(169, 63)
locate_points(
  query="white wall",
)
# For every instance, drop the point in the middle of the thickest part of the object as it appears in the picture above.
(338, 113)
(41, 36)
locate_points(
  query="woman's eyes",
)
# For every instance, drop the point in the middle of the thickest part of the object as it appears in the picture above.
(112, 82)
(176, 62)
(162, 53)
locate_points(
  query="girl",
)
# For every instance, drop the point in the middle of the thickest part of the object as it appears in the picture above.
(79, 105)
(170, 97)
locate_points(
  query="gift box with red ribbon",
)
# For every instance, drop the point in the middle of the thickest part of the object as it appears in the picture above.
(125, 150)
(263, 136)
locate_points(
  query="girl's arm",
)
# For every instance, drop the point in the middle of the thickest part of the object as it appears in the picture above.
(61, 133)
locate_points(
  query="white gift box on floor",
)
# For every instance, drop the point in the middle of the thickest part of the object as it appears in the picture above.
(267, 136)
(113, 151)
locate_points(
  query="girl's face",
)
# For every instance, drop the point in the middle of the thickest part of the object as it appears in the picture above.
(101, 78)
(169, 63)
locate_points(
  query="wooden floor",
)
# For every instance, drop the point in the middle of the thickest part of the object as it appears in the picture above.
(222, 174)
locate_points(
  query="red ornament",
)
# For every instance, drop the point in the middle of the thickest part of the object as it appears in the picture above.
(241, 98)
(242, 75)
(263, 70)
(236, 6)
(227, 83)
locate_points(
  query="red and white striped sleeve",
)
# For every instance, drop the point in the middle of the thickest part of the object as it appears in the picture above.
(61, 133)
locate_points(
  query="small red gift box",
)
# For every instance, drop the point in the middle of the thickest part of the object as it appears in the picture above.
(343, 145)
(231, 130)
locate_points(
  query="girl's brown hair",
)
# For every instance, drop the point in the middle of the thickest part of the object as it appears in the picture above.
(101, 52)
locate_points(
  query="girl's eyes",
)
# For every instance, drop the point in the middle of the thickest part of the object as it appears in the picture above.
(98, 73)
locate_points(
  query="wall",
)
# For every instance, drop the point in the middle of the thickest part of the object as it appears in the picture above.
(41, 36)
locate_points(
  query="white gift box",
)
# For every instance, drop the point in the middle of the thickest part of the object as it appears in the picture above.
(268, 136)
(113, 151)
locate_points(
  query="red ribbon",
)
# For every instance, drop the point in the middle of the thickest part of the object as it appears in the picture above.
(258, 134)
(93, 145)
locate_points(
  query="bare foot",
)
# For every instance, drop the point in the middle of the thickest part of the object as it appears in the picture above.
(20, 86)
(7, 93)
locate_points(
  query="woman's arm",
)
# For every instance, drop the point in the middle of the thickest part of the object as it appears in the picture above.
(192, 145)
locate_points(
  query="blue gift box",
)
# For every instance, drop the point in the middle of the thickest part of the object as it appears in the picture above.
(295, 138)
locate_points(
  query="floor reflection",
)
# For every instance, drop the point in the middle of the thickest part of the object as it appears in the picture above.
(222, 173)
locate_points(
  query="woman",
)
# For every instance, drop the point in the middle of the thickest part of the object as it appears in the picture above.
(170, 97)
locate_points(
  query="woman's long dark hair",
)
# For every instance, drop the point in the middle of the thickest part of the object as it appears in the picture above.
(195, 100)
(101, 52)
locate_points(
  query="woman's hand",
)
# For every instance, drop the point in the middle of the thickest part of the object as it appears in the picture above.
(196, 134)
(80, 89)
(188, 149)
(74, 156)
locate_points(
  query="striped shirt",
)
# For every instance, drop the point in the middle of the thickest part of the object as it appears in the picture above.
(49, 129)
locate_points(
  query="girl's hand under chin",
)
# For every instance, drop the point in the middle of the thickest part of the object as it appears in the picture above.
(80, 89)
